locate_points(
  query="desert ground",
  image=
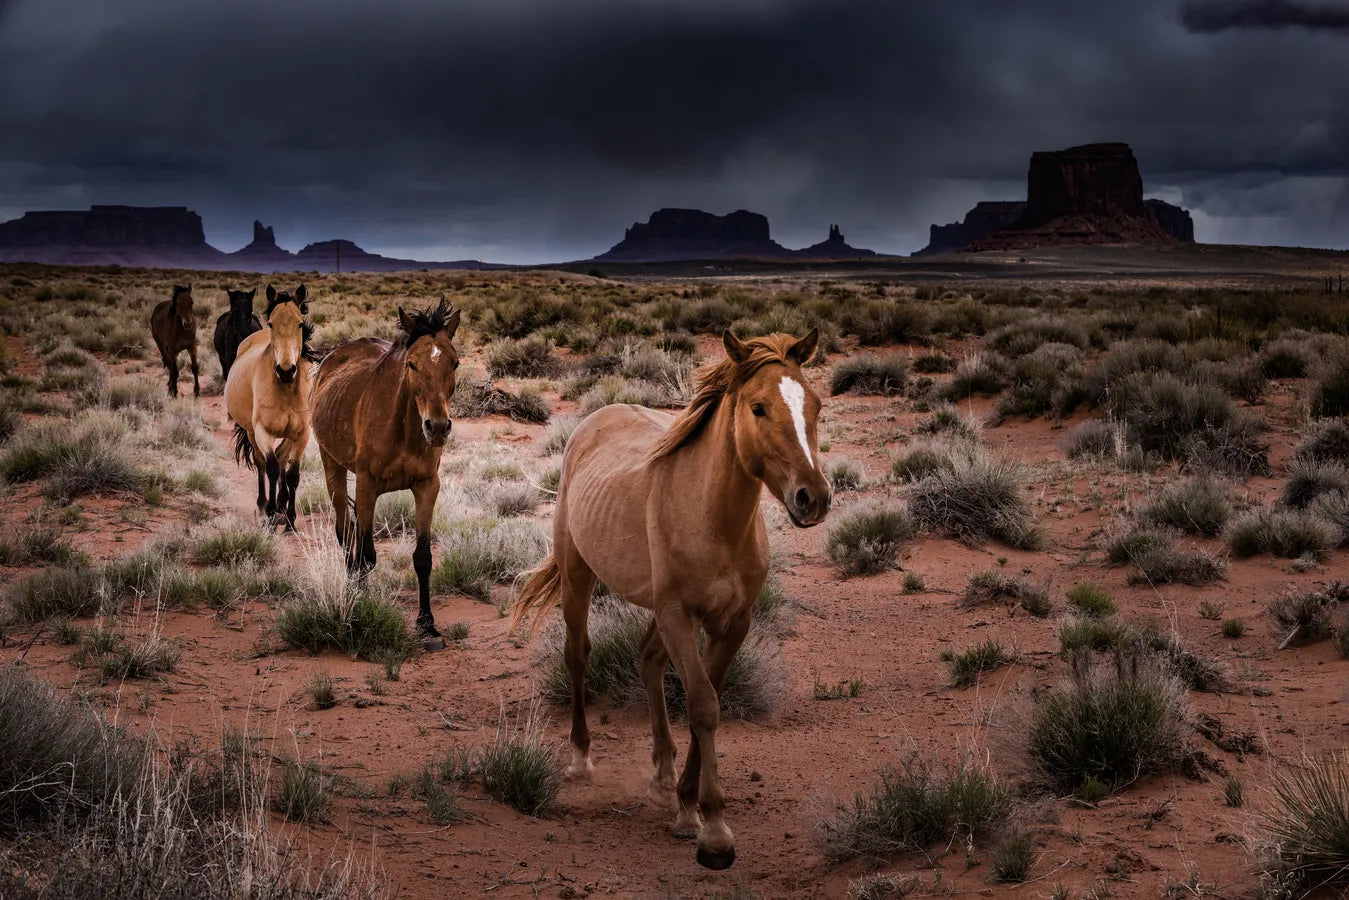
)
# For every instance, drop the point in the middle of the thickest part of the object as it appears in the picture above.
(1081, 479)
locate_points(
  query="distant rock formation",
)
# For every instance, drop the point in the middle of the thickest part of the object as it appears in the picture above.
(987, 217)
(834, 247)
(684, 234)
(1091, 194)
(173, 237)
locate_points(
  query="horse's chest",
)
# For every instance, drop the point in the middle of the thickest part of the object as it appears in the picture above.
(402, 471)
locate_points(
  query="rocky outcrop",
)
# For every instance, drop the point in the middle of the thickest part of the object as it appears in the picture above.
(109, 235)
(262, 254)
(1173, 219)
(685, 234)
(987, 217)
(834, 247)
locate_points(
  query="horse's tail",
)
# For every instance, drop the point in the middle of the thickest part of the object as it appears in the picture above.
(243, 447)
(541, 591)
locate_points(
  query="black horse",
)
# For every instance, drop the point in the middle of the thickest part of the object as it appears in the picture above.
(174, 328)
(233, 326)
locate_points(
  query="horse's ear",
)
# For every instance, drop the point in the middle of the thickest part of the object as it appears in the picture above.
(271, 294)
(736, 349)
(452, 324)
(253, 293)
(300, 295)
(404, 321)
(802, 350)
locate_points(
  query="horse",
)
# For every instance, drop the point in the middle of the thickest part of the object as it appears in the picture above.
(665, 511)
(175, 330)
(382, 410)
(233, 325)
(267, 395)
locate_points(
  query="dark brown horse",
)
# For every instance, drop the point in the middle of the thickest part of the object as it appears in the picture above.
(382, 410)
(235, 324)
(175, 330)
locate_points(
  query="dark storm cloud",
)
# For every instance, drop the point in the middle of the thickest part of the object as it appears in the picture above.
(538, 129)
(1212, 16)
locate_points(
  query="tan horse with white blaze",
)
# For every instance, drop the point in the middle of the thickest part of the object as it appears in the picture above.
(665, 510)
(267, 396)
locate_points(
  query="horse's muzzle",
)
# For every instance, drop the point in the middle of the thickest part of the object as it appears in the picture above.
(808, 507)
(286, 376)
(436, 431)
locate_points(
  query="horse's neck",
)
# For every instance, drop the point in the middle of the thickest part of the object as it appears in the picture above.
(405, 419)
(709, 475)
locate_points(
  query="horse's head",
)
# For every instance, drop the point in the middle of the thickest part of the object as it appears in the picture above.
(181, 307)
(775, 413)
(431, 364)
(285, 317)
(241, 304)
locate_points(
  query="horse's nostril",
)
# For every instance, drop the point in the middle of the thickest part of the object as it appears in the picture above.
(803, 499)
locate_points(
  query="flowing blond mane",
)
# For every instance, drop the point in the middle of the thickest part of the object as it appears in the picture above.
(715, 380)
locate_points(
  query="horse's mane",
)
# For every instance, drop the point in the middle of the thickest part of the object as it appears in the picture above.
(714, 381)
(426, 322)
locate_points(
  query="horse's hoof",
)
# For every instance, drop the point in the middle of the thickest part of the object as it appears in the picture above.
(709, 858)
(581, 770)
(661, 793)
(433, 643)
(687, 823)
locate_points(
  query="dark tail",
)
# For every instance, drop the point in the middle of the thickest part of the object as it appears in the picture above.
(243, 447)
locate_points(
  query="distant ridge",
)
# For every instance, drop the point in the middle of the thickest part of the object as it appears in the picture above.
(683, 235)
(173, 237)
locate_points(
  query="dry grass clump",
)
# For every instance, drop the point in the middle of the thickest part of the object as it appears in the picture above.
(1111, 722)
(558, 433)
(1307, 827)
(1197, 506)
(1025, 337)
(866, 373)
(867, 538)
(752, 690)
(1310, 479)
(617, 389)
(976, 498)
(1325, 440)
(519, 768)
(1285, 533)
(884, 322)
(914, 807)
(39, 544)
(844, 475)
(927, 456)
(1095, 633)
(1328, 388)
(1092, 599)
(531, 357)
(74, 592)
(235, 547)
(1094, 438)
(1307, 617)
(947, 421)
(1128, 358)
(476, 554)
(1160, 558)
(474, 399)
(1286, 358)
(933, 363)
(985, 588)
(978, 373)
(1047, 380)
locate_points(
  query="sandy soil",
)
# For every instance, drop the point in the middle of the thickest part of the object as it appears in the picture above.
(783, 776)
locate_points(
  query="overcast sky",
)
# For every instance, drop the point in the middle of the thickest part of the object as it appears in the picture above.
(537, 130)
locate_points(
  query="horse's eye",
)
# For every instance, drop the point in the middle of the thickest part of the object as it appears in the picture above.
(455, 367)
(412, 366)
(758, 409)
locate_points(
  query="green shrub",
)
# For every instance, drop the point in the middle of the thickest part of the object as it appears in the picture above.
(520, 770)
(925, 457)
(1013, 857)
(915, 807)
(1310, 479)
(1233, 628)
(1049, 379)
(476, 554)
(985, 588)
(934, 363)
(844, 475)
(142, 658)
(1114, 723)
(1286, 358)
(1091, 598)
(38, 544)
(867, 538)
(236, 547)
(1308, 823)
(531, 357)
(358, 623)
(1196, 506)
(966, 666)
(980, 373)
(304, 794)
(1328, 392)
(1093, 438)
(1098, 633)
(73, 592)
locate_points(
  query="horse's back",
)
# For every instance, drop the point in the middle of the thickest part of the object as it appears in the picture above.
(342, 378)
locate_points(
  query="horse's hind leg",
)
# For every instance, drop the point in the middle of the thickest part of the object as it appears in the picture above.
(655, 660)
(336, 478)
(425, 493)
(578, 583)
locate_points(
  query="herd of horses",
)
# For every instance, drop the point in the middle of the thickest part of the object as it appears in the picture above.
(664, 509)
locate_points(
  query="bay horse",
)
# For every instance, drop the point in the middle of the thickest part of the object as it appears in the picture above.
(175, 330)
(267, 395)
(382, 410)
(233, 325)
(665, 511)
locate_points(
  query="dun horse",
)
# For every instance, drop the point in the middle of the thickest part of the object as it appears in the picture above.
(665, 510)
(267, 395)
(382, 410)
(175, 330)
(235, 324)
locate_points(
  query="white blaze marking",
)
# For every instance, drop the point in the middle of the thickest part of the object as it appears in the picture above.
(435, 353)
(795, 397)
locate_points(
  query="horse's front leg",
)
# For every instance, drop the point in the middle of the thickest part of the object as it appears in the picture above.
(290, 453)
(171, 363)
(364, 545)
(700, 783)
(196, 382)
(425, 493)
(265, 444)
